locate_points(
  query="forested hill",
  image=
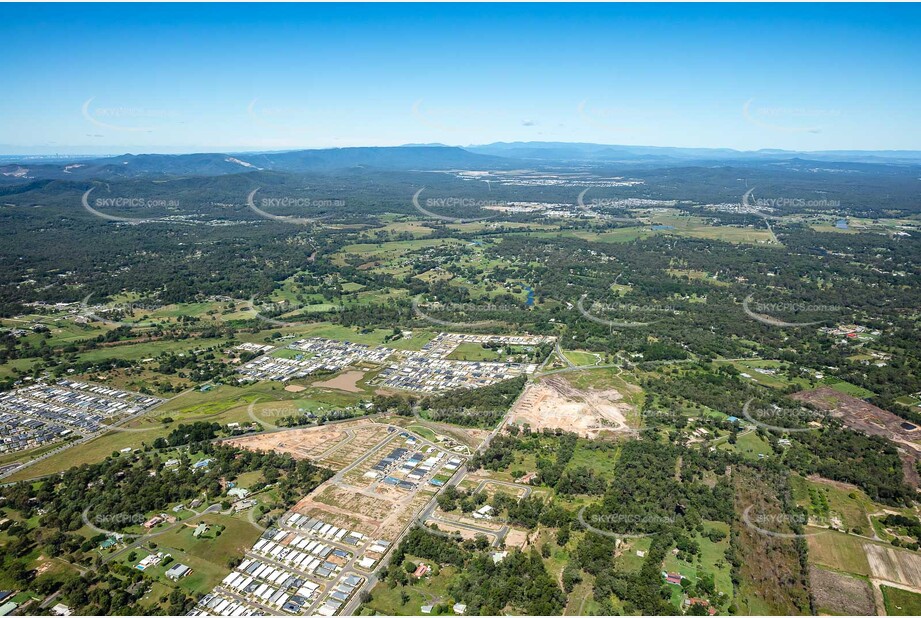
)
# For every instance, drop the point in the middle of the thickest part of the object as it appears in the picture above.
(217, 164)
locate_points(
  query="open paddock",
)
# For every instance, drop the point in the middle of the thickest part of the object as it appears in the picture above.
(890, 564)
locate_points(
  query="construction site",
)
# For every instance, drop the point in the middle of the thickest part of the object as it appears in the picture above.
(554, 403)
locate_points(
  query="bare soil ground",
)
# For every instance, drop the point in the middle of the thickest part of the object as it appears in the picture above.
(402, 513)
(353, 502)
(491, 489)
(347, 381)
(363, 437)
(840, 594)
(336, 517)
(516, 538)
(894, 565)
(554, 403)
(465, 533)
(307, 443)
(335, 446)
(865, 417)
(364, 505)
(468, 519)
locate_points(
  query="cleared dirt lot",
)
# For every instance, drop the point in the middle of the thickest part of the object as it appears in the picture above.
(893, 565)
(335, 445)
(347, 381)
(554, 403)
(349, 499)
(840, 594)
(865, 417)
(465, 533)
(308, 443)
(517, 538)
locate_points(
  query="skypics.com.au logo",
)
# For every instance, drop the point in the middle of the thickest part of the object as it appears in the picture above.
(788, 119)
(101, 523)
(766, 312)
(292, 202)
(625, 521)
(126, 119)
(282, 118)
(793, 420)
(598, 309)
(273, 313)
(100, 313)
(777, 524)
(453, 203)
(599, 205)
(129, 202)
(759, 205)
(458, 315)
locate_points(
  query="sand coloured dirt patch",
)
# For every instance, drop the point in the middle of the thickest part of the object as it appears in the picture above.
(313, 442)
(347, 381)
(555, 404)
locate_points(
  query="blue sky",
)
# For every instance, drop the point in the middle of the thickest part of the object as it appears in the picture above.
(108, 78)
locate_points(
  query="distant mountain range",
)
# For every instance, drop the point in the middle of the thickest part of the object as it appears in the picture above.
(497, 156)
(296, 161)
(602, 153)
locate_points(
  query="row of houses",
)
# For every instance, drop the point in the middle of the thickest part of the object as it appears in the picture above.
(418, 372)
(271, 585)
(315, 354)
(19, 433)
(443, 344)
(277, 572)
(43, 413)
(318, 528)
(339, 595)
(406, 470)
(311, 557)
(216, 603)
(425, 371)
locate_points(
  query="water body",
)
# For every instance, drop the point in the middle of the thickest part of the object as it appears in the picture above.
(663, 227)
(841, 224)
(530, 301)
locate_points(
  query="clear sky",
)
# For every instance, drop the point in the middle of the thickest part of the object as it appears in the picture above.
(182, 78)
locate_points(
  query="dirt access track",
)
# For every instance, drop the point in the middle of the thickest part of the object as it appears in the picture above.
(861, 416)
(554, 403)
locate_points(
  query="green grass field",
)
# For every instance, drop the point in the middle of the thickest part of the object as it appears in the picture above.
(603, 463)
(152, 349)
(850, 505)
(901, 602)
(847, 388)
(683, 225)
(750, 445)
(473, 352)
(582, 358)
(207, 556)
(290, 354)
(431, 590)
(838, 551)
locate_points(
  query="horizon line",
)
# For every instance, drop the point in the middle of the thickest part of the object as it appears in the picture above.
(130, 152)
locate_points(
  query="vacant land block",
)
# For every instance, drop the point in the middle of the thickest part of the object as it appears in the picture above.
(894, 565)
(555, 404)
(839, 551)
(837, 593)
(901, 602)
